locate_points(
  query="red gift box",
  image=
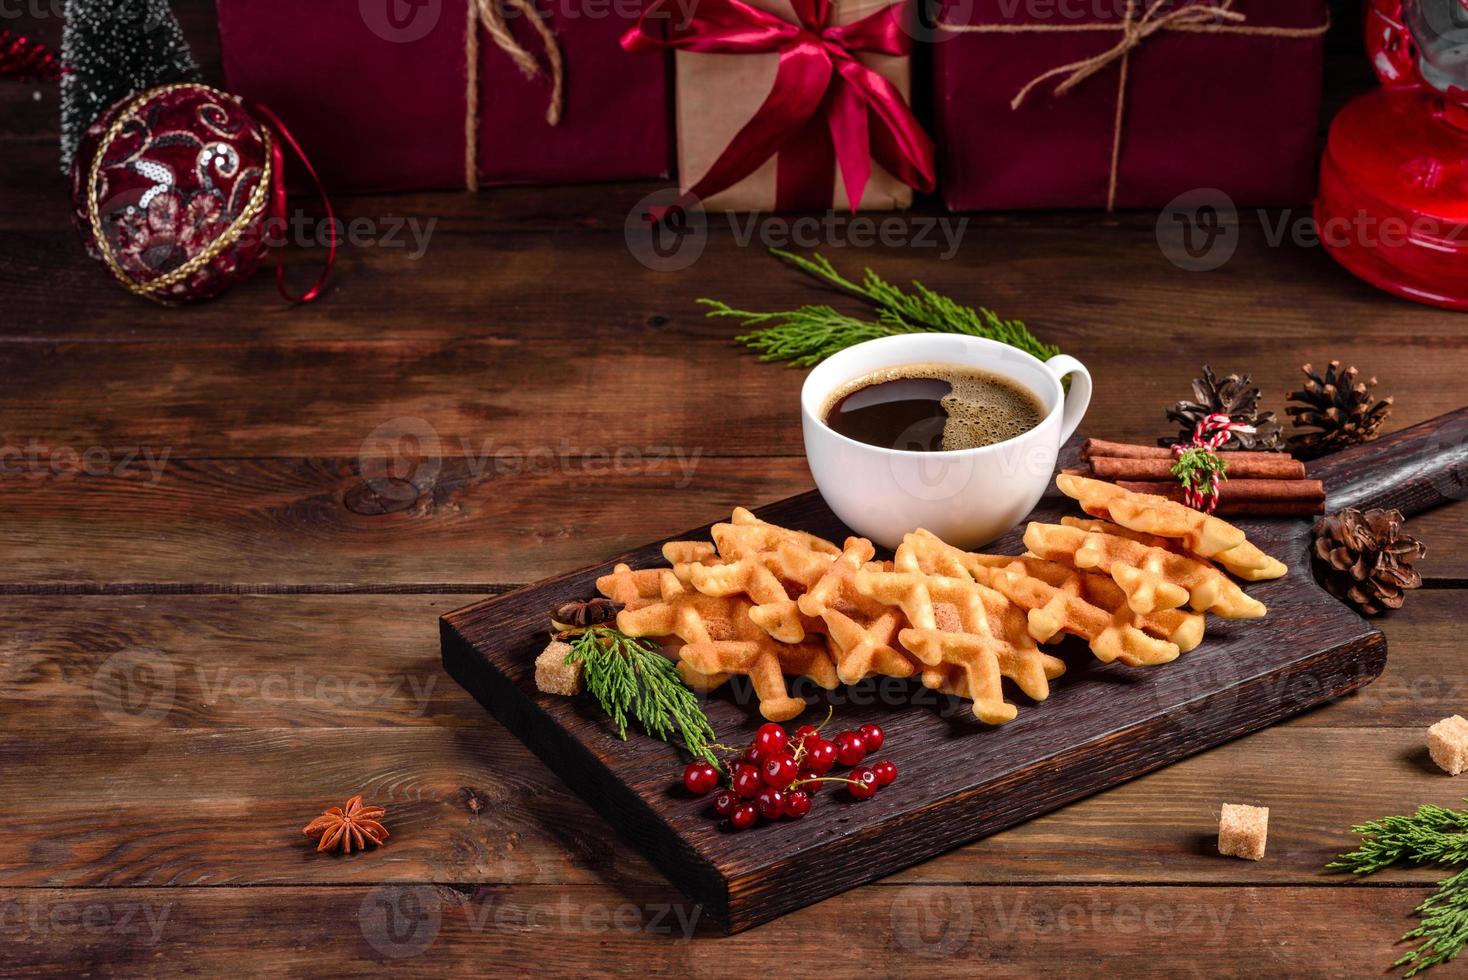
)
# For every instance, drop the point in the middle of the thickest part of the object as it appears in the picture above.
(383, 94)
(1127, 103)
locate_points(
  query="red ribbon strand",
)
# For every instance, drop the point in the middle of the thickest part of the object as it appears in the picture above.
(278, 205)
(824, 105)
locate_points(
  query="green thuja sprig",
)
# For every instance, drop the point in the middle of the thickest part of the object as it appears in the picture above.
(1433, 835)
(630, 678)
(809, 334)
(1195, 469)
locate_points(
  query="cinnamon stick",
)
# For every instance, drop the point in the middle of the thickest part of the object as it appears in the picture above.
(1126, 450)
(1262, 508)
(1265, 466)
(1279, 497)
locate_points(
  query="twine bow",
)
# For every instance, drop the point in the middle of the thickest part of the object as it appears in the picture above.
(1136, 26)
(489, 15)
(1211, 432)
(1134, 30)
(825, 108)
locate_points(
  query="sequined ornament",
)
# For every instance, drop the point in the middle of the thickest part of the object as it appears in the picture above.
(171, 190)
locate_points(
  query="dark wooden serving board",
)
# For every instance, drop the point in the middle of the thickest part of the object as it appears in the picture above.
(960, 780)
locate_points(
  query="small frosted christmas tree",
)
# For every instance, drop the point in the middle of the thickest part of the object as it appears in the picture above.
(113, 49)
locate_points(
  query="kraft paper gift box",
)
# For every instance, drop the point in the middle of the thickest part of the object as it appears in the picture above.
(792, 105)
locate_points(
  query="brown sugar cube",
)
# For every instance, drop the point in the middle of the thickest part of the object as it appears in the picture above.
(553, 675)
(1243, 831)
(1447, 742)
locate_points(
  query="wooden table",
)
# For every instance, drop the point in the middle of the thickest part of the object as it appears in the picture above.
(201, 652)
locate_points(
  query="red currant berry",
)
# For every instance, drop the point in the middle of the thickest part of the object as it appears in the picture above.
(886, 772)
(797, 804)
(700, 778)
(770, 738)
(850, 749)
(809, 782)
(725, 800)
(780, 770)
(743, 816)
(872, 735)
(770, 803)
(865, 786)
(747, 782)
(753, 756)
(820, 756)
(806, 734)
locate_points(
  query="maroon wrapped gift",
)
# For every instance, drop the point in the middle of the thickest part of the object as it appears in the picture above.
(401, 94)
(1127, 103)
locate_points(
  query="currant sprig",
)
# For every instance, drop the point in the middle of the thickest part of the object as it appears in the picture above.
(777, 776)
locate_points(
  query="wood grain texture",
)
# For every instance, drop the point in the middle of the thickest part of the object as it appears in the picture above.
(83, 664)
(325, 397)
(320, 524)
(932, 930)
(344, 523)
(164, 826)
(256, 686)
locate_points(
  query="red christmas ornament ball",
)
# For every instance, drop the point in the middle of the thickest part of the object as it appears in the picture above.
(171, 191)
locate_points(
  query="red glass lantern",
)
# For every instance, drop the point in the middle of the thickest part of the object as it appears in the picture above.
(1393, 201)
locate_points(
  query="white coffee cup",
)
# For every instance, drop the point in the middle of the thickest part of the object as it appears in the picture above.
(968, 497)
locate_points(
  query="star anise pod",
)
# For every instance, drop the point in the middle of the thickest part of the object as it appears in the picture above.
(581, 613)
(342, 828)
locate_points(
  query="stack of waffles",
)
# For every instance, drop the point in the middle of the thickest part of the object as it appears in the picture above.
(1134, 580)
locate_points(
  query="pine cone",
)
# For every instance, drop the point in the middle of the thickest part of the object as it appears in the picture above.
(1340, 407)
(1366, 558)
(1235, 397)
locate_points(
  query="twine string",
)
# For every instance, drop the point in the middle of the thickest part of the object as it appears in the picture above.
(489, 15)
(1211, 432)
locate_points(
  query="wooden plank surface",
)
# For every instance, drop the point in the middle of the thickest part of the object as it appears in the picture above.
(252, 681)
(931, 930)
(527, 320)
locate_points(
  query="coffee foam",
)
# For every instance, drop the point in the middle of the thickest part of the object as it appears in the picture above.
(982, 408)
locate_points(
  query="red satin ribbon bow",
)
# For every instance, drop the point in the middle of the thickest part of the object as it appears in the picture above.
(825, 107)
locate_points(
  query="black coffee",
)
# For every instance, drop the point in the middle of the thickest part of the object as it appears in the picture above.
(932, 408)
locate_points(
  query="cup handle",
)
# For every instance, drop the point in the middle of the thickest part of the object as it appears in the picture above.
(1079, 398)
